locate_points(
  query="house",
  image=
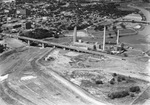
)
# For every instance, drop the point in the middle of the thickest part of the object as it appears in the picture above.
(24, 12)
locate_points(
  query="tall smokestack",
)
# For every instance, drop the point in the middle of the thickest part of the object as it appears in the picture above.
(75, 34)
(104, 38)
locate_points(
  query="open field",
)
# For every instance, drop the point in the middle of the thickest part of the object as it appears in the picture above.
(91, 36)
(29, 83)
(25, 85)
(68, 61)
(75, 68)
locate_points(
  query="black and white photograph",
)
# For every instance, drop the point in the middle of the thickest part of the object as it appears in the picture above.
(74, 52)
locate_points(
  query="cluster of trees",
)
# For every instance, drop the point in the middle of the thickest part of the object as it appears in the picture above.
(37, 34)
(2, 48)
(135, 89)
(130, 91)
(41, 33)
(121, 94)
(117, 78)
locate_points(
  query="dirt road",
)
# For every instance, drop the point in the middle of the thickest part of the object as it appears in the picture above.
(75, 89)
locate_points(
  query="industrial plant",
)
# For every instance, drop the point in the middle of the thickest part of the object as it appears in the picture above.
(74, 52)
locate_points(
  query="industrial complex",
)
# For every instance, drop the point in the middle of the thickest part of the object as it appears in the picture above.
(74, 52)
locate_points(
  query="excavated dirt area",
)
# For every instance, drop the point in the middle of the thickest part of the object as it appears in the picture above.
(22, 83)
(95, 74)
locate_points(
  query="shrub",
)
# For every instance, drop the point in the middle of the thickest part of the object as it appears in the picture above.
(114, 74)
(99, 82)
(135, 89)
(125, 55)
(112, 81)
(118, 94)
(2, 48)
(50, 59)
(132, 95)
(121, 78)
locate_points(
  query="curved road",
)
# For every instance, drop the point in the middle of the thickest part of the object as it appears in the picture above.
(146, 13)
(36, 64)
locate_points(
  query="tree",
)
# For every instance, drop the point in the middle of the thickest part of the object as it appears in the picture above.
(38, 33)
(120, 94)
(2, 48)
(146, 1)
(135, 89)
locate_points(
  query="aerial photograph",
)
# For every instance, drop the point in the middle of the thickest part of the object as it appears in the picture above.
(74, 52)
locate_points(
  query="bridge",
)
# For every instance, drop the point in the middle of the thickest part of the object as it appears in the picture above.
(65, 47)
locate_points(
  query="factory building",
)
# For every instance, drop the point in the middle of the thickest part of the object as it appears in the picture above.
(84, 44)
(95, 45)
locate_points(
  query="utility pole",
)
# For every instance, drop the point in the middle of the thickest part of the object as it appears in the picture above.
(104, 38)
(117, 41)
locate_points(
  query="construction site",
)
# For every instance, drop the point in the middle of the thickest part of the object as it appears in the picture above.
(109, 66)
